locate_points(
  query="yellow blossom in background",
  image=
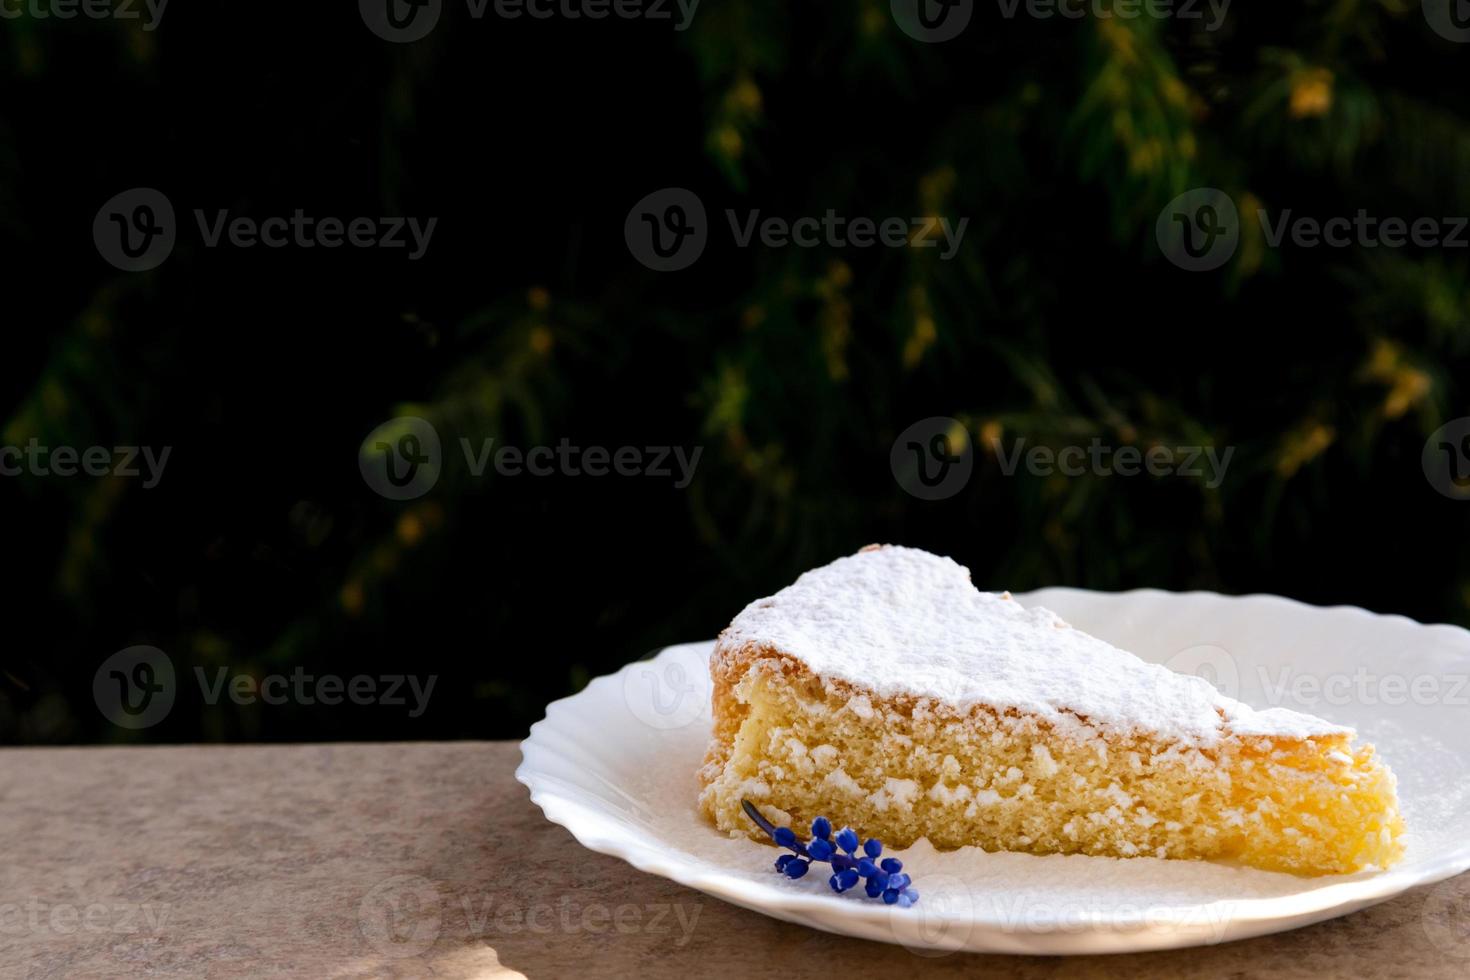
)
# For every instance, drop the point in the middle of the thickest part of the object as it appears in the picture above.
(410, 529)
(836, 328)
(53, 398)
(752, 317)
(935, 187)
(728, 142)
(1383, 360)
(924, 332)
(927, 228)
(1303, 446)
(727, 412)
(1146, 157)
(990, 433)
(839, 274)
(1410, 387)
(538, 299)
(96, 324)
(1407, 385)
(920, 340)
(744, 97)
(956, 438)
(385, 559)
(1252, 248)
(1311, 92)
(541, 339)
(1120, 39)
(1175, 92)
(352, 598)
(29, 61)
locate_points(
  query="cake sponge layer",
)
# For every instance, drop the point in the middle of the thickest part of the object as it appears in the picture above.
(799, 745)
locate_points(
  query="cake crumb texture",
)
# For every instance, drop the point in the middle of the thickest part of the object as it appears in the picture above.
(897, 764)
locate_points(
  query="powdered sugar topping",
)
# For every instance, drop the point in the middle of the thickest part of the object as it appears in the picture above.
(898, 620)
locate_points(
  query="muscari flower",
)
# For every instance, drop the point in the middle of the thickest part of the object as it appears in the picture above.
(882, 878)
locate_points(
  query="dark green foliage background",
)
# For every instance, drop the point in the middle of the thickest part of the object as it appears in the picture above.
(1058, 321)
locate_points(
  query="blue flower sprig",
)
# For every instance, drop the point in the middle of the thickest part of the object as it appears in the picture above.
(883, 879)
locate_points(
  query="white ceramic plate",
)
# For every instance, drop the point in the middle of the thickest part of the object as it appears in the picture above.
(615, 765)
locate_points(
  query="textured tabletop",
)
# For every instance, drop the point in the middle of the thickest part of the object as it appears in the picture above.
(429, 860)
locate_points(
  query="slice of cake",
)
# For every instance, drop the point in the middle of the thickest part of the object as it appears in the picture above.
(889, 694)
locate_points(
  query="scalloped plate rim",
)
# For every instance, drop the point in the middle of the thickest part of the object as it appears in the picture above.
(1277, 913)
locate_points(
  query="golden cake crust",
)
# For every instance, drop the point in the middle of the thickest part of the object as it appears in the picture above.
(903, 764)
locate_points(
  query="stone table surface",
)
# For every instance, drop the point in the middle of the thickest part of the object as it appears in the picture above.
(429, 860)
